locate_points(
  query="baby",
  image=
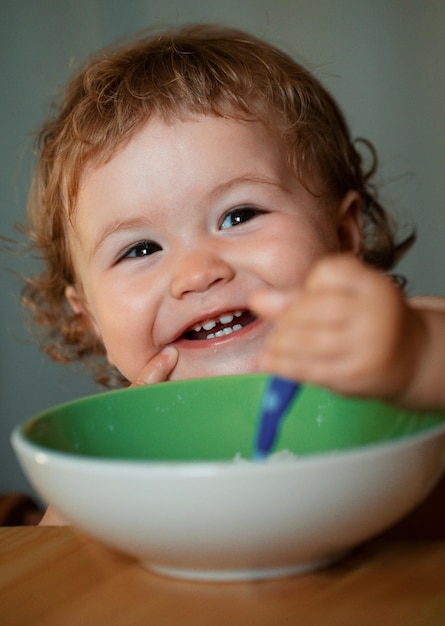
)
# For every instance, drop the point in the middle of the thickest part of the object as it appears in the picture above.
(201, 209)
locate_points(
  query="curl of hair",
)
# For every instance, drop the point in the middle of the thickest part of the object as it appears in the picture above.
(195, 70)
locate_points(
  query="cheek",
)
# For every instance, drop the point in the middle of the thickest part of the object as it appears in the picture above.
(127, 349)
(293, 255)
(124, 324)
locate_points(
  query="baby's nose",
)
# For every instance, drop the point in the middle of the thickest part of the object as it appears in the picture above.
(198, 271)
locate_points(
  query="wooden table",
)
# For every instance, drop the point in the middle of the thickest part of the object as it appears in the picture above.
(57, 576)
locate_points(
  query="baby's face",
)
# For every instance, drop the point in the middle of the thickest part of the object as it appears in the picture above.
(178, 229)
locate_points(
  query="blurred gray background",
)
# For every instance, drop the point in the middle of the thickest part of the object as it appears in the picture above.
(384, 61)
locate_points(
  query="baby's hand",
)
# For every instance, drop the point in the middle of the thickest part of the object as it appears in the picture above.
(345, 330)
(158, 369)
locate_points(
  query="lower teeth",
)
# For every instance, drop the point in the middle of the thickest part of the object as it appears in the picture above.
(225, 331)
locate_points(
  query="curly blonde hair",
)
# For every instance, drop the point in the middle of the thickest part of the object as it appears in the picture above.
(193, 70)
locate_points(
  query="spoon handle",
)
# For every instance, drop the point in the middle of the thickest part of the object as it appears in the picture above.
(277, 396)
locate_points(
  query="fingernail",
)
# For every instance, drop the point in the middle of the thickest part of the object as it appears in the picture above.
(169, 351)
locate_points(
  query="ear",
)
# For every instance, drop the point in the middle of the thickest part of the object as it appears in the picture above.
(349, 223)
(80, 307)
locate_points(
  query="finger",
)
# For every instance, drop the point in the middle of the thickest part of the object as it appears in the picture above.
(159, 368)
(303, 349)
(316, 312)
(323, 371)
(342, 271)
(269, 303)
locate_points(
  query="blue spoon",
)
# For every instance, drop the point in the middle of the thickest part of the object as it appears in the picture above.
(276, 399)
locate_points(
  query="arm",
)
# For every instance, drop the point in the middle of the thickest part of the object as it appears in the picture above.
(52, 518)
(350, 329)
(428, 384)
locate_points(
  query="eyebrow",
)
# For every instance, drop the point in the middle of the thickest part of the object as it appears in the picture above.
(116, 226)
(248, 179)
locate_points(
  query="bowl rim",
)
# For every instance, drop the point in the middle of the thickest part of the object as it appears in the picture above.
(46, 456)
(18, 437)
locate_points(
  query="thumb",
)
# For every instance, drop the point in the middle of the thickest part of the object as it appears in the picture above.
(342, 271)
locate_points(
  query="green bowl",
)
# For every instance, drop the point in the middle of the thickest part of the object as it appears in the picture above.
(154, 472)
(215, 419)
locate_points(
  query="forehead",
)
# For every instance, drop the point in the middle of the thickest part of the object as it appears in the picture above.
(175, 151)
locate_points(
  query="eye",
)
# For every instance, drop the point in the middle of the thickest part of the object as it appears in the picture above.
(140, 249)
(239, 215)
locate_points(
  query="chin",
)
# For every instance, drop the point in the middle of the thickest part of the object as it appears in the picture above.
(245, 365)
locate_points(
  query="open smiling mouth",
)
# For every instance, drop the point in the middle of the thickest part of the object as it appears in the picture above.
(220, 326)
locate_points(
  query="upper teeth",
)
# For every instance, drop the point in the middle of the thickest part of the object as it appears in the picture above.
(227, 318)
